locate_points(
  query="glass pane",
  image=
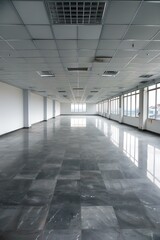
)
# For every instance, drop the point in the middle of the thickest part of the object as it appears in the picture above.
(137, 105)
(84, 107)
(80, 107)
(158, 85)
(129, 106)
(151, 104)
(76, 107)
(72, 107)
(151, 87)
(158, 104)
(133, 106)
(125, 106)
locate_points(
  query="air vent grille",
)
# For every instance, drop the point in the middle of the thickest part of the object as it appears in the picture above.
(80, 69)
(94, 91)
(110, 73)
(101, 59)
(76, 12)
(46, 73)
(78, 89)
(146, 76)
(61, 91)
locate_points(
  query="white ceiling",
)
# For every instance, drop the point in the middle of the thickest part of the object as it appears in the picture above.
(129, 33)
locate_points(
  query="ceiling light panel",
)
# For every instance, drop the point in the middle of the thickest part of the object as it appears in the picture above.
(32, 12)
(76, 12)
(46, 73)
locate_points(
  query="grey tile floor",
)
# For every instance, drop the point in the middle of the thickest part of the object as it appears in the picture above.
(80, 178)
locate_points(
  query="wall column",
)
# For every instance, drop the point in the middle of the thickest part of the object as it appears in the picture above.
(45, 108)
(142, 108)
(26, 108)
(121, 109)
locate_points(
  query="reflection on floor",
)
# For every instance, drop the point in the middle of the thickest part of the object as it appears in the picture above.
(78, 178)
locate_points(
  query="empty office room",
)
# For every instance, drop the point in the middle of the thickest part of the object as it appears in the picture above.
(79, 120)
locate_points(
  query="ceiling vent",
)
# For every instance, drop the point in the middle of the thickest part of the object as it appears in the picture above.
(103, 59)
(93, 91)
(76, 12)
(110, 73)
(78, 89)
(61, 91)
(46, 73)
(79, 69)
(146, 76)
(145, 81)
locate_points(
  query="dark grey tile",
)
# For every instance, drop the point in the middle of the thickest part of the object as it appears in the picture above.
(89, 185)
(112, 174)
(67, 186)
(40, 192)
(71, 165)
(140, 234)
(98, 217)
(91, 175)
(108, 234)
(66, 174)
(132, 217)
(9, 216)
(32, 219)
(153, 213)
(60, 197)
(62, 235)
(47, 173)
(95, 198)
(21, 236)
(88, 165)
(64, 216)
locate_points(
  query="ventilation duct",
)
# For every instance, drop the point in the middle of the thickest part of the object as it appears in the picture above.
(76, 12)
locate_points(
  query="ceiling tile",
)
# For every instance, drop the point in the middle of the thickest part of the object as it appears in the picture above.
(113, 31)
(45, 44)
(40, 31)
(68, 53)
(125, 54)
(69, 60)
(24, 44)
(87, 44)
(32, 12)
(4, 45)
(29, 53)
(121, 12)
(148, 14)
(141, 32)
(67, 44)
(133, 44)
(49, 53)
(108, 44)
(52, 60)
(65, 31)
(89, 32)
(7, 13)
(35, 60)
(14, 32)
(154, 45)
(86, 53)
(105, 53)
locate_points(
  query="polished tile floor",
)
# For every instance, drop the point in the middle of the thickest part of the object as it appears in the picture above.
(80, 178)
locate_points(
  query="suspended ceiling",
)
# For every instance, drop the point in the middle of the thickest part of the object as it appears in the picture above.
(37, 36)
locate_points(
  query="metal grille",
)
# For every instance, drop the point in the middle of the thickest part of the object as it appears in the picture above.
(76, 12)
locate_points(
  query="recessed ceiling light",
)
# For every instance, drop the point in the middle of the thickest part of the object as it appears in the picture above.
(46, 73)
(146, 76)
(78, 89)
(110, 73)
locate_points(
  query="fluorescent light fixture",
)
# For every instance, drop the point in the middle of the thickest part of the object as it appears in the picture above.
(110, 73)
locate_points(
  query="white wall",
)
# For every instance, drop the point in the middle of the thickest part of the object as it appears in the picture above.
(66, 109)
(153, 125)
(49, 108)
(57, 109)
(36, 110)
(133, 121)
(11, 108)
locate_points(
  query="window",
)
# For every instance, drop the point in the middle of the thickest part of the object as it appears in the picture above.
(131, 104)
(105, 106)
(78, 107)
(115, 105)
(154, 101)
